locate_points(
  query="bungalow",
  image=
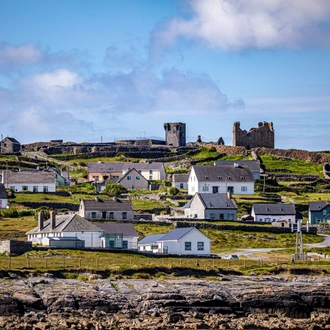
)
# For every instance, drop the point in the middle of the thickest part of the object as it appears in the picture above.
(273, 212)
(180, 181)
(106, 209)
(133, 180)
(252, 165)
(9, 145)
(29, 181)
(3, 197)
(211, 206)
(181, 241)
(64, 229)
(119, 235)
(318, 212)
(220, 179)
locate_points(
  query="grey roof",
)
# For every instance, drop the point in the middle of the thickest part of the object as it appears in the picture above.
(11, 139)
(317, 206)
(253, 165)
(105, 167)
(144, 166)
(28, 177)
(223, 173)
(151, 239)
(180, 177)
(216, 201)
(131, 171)
(127, 229)
(107, 204)
(67, 223)
(3, 193)
(175, 234)
(274, 209)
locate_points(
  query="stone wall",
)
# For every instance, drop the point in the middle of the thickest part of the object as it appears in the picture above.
(15, 247)
(52, 205)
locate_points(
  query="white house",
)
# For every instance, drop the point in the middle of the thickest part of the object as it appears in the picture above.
(253, 165)
(211, 206)
(180, 181)
(29, 181)
(67, 228)
(181, 241)
(3, 197)
(119, 235)
(273, 212)
(149, 243)
(220, 179)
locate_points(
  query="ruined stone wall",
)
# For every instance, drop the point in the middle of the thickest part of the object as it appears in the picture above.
(175, 134)
(262, 136)
(15, 247)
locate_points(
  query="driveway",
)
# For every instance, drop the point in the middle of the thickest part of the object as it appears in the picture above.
(325, 243)
(249, 253)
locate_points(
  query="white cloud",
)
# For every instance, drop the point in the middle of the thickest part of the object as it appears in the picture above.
(242, 24)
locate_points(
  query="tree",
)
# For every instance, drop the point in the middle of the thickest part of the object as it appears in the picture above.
(114, 189)
(173, 191)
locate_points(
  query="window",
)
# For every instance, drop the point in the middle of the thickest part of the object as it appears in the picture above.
(150, 171)
(212, 215)
(200, 246)
(111, 215)
(25, 188)
(35, 188)
(45, 189)
(129, 178)
(93, 215)
(205, 188)
(221, 216)
(137, 178)
(181, 185)
(95, 177)
(244, 189)
(132, 187)
(124, 215)
(12, 188)
(324, 212)
(150, 177)
(187, 246)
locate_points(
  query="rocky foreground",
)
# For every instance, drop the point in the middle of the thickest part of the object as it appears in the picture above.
(231, 302)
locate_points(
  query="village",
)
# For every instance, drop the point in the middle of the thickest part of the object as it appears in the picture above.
(204, 192)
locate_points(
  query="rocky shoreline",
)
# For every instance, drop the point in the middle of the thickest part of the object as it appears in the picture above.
(228, 302)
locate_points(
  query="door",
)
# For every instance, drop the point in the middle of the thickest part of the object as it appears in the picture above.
(215, 190)
(125, 244)
(104, 215)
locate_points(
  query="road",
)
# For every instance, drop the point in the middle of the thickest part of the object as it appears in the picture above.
(249, 253)
(325, 243)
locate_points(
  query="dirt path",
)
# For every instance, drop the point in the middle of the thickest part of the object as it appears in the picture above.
(325, 243)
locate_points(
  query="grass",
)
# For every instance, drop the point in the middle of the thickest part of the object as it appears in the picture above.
(146, 205)
(295, 166)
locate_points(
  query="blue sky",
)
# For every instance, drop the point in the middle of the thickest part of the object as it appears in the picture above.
(81, 70)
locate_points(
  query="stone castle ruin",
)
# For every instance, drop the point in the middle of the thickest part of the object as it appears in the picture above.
(262, 136)
(175, 134)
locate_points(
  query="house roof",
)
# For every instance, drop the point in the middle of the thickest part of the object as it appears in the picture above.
(216, 201)
(105, 167)
(11, 177)
(144, 166)
(131, 171)
(274, 209)
(67, 223)
(253, 165)
(127, 229)
(175, 234)
(99, 204)
(151, 239)
(180, 177)
(3, 193)
(11, 139)
(222, 173)
(317, 206)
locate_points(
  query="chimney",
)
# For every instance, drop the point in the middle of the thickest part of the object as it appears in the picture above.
(40, 221)
(114, 198)
(236, 165)
(229, 194)
(96, 199)
(52, 220)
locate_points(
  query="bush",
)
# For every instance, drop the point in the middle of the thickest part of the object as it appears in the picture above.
(114, 189)
(213, 149)
(173, 191)
(26, 213)
(9, 213)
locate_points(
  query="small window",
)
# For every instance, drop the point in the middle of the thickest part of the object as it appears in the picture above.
(129, 178)
(206, 177)
(150, 171)
(212, 215)
(124, 215)
(211, 204)
(187, 246)
(35, 188)
(229, 177)
(150, 177)
(45, 189)
(93, 215)
(242, 178)
(244, 189)
(219, 177)
(200, 246)
(221, 216)
(324, 212)
(132, 187)
(25, 188)
(138, 178)
(111, 215)
(181, 185)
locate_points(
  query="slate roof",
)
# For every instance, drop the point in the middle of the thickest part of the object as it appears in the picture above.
(253, 165)
(151, 239)
(127, 229)
(222, 173)
(274, 209)
(180, 177)
(11, 177)
(175, 234)
(216, 201)
(107, 204)
(317, 206)
(11, 139)
(3, 193)
(143, 166)
(67, 223)
(105, 167)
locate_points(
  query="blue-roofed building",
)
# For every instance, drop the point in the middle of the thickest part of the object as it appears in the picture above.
(178, 241)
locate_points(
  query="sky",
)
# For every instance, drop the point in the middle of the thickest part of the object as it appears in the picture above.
(92, 71)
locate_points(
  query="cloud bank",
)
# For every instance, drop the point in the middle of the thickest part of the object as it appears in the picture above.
(254, 24)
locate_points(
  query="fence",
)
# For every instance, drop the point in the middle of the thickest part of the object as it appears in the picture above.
(117, 263)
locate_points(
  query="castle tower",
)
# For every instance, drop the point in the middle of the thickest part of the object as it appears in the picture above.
(175, 134)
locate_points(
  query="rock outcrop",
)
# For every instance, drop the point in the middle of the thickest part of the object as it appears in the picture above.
(231, 302)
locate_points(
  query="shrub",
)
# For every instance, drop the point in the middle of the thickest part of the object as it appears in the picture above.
(114, 189)
(9, 213)
(26, 213)
(173, 191)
